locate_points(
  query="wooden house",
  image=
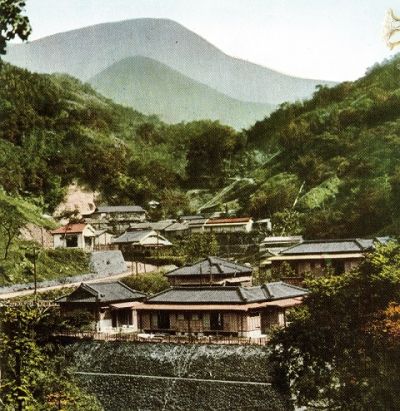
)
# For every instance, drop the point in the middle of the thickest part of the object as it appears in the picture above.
(211, 271)
(140, 240)
(229, 225)
(117, 218)
(224, 310)
(74, 236)
(97, 299)
(321, 256)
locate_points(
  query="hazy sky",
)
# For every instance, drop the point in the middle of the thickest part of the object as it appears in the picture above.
(324, 39)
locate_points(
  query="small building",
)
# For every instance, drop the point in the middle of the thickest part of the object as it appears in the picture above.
(320, 256)
(142, 240)
(229, 225)
(78, 235)
(117, 218)
(273, 245)
(97, 299)
(211, 271)
(233, 310)
(196, 225)
(103, 239)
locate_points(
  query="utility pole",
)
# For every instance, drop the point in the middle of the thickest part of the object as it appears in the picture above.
(34, 273)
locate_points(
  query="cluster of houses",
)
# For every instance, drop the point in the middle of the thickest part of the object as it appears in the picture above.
(212, 297)
(122, 226)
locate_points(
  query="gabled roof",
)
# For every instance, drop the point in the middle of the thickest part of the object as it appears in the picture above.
(120, 209)
(136, 237)
(330, 246)
(102, 292)
(70, 229)
(227, 294)
(133, 236)
(211, 266)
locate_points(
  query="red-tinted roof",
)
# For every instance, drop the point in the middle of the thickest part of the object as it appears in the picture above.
(229, 220)
(70, 228)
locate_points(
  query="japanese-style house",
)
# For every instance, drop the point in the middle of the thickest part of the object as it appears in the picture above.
(229, 225)
(117, 218)
(142, 239)
(318, 257)
(224, 310)
(74, 236)
(211, 271)
(97, 299)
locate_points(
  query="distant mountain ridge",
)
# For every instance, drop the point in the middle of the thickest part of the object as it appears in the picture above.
(86, 52)
(154, 88)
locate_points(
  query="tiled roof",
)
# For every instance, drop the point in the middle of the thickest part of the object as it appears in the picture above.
(228, 220)
(120, 209)
(213, 266)
(227, 294)
(102, 292)
(155, 225)
(161, 225)
(70, 229)
(177, 227)
(330, 246)
(132, 236)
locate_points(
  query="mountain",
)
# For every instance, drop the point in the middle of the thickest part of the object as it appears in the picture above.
(86, 52)
(154, 88)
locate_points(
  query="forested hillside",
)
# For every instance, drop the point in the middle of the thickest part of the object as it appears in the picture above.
(325, 167)
(338, 154)
(55, 130)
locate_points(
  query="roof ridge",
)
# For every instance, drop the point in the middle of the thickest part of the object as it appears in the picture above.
(242, 293)
(129, 288)
(90, 289)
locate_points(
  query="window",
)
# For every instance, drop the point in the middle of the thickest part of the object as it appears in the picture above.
(71, 241)
(216, 321)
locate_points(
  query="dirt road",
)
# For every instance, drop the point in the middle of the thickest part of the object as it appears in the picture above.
(132, 270)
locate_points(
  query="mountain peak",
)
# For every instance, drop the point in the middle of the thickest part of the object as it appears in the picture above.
(86, 52)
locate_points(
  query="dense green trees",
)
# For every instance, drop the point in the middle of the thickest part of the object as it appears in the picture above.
(12, 22)
(336, 352)
(344, 144)
(35, 373)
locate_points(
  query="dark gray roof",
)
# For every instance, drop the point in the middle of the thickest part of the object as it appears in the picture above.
(140, 226)
(152, 225)
(102, 292)
(177, 227)
(120, 209)
(162, 224)
(227, 294)
(132, 236)
(213, 266)
(330, 246)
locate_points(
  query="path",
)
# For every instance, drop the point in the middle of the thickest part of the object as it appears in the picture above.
(149, 268)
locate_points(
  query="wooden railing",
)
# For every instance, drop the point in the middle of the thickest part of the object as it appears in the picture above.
(162, 338)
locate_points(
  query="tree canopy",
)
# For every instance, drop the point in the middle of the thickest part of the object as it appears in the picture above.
(340, 348)
(13, 22)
